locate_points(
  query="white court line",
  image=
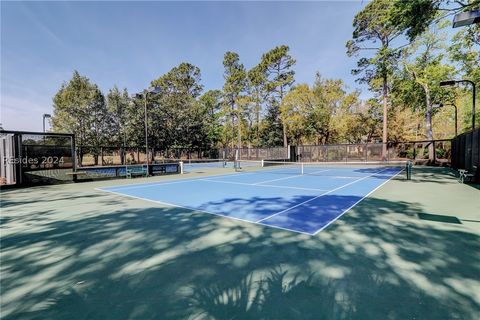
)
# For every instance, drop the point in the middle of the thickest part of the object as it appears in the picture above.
(315, 172)
(353, 205)
(239, 219)
(320, 195)
(202, 211)
(285, 178)
(262, 185)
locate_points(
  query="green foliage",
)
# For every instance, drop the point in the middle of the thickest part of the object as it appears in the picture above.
(235, 84)
(183, 80)
(272, 129)
(466, 52)
(277, 66)
(414, 16)
(235, 77)
(174, 114)
(79, 107)
(424, 62)
(119, 115)
(325, 114)
(256, 86)
(374, 31)
(296, 111)
(261, 107)
(211, 106)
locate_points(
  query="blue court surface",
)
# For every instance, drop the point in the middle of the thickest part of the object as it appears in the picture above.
(286, 199)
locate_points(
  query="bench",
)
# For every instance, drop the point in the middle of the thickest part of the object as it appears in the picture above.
(76, 174)
(466, 176)
(136, 171)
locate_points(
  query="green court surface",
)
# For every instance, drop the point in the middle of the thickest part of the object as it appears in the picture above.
(410, 250)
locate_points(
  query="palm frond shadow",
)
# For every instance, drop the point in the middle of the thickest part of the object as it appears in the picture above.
(266, 298)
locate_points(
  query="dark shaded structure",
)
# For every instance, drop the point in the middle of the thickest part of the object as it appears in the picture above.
(466, 152)
(36, 157)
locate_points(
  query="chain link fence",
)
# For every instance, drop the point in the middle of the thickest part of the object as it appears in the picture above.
(417, 150)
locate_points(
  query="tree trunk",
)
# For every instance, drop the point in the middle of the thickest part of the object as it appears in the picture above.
(80, 156)
(385, 117)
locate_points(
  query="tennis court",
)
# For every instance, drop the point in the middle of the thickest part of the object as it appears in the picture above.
(73, 252)
(297, 197)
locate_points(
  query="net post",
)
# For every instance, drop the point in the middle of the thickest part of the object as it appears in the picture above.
(366, 152)
(301, 164)
(408, 168)
(263, 164)
(181, 167)
(74, 153)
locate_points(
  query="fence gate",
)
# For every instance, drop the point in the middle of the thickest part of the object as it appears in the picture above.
(8, 170)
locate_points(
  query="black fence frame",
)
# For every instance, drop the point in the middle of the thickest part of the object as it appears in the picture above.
(466, 152)
(18, 149)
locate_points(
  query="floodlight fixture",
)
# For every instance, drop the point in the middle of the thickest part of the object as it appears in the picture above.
(448, 83)
(45, 115)
(467, 18)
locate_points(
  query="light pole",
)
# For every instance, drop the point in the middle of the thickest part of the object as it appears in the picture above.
(456, 115)
(239, 131)
(454, 82)
(144, 94)
(45, 115)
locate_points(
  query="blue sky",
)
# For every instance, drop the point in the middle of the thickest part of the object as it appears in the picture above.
(128, 44)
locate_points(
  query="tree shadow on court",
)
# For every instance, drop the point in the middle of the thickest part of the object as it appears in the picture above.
(111, 257)
(437, 175)
(41, 196)
(266, 298)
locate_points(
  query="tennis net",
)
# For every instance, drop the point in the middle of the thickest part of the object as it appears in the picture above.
(189, 165)
(339, 169)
